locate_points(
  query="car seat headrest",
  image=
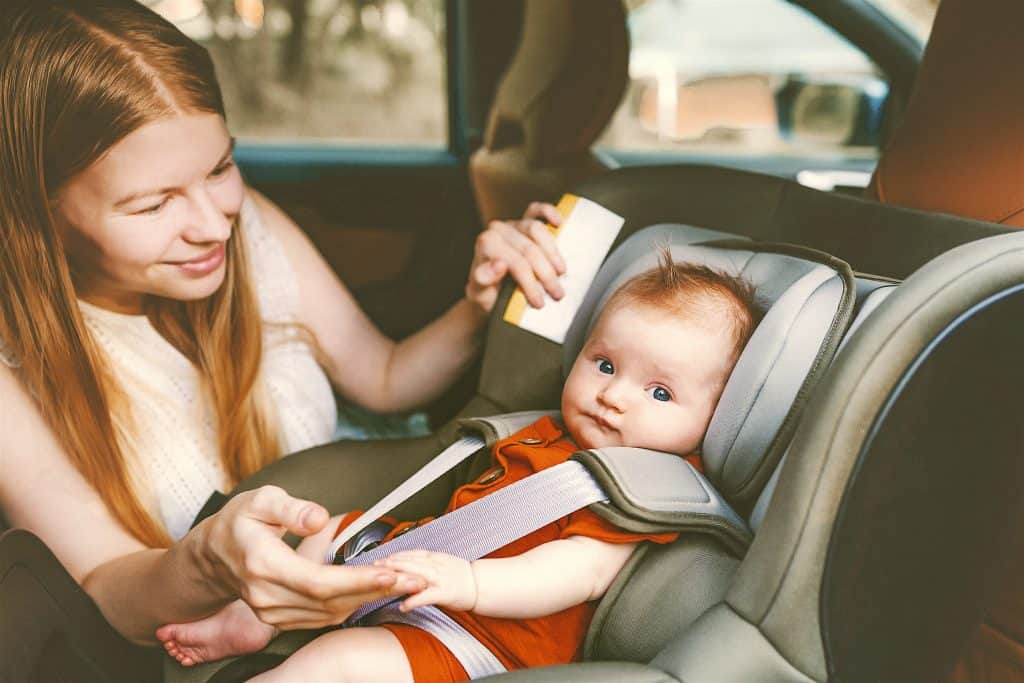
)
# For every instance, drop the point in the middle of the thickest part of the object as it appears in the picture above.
(806, 298)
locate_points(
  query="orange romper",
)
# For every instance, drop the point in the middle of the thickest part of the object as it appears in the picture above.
(517, 643)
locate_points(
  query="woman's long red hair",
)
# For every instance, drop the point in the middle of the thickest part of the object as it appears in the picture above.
(76, 77)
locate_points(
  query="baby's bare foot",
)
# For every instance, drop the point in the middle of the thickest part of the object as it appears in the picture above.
(234, 630)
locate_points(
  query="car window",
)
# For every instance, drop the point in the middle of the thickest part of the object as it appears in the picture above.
(916, 16)
(755, 77)
(351, 71)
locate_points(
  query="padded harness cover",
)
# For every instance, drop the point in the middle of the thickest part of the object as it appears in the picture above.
(650, 491)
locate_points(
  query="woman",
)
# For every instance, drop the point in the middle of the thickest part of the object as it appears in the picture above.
(158, 322)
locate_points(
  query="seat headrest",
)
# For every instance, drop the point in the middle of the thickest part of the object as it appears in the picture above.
(807, 300)
(560, 90)
(564, 82)
(959, 148)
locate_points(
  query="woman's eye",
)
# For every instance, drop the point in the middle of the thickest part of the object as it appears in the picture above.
(153, 209)
(661, 394)
(605, 366)
(222, 169)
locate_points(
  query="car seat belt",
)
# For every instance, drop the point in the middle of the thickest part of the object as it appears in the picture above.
(479, 432)
(444, 461)
(495, 520)
(537, 500)
(474, 657)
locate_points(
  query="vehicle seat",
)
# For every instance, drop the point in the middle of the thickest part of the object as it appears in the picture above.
(960, 147)
(561, 88)
(960, 150)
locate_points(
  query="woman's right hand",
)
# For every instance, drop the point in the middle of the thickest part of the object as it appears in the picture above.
(240, 548)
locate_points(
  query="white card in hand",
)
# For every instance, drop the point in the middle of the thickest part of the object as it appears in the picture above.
(584, 238)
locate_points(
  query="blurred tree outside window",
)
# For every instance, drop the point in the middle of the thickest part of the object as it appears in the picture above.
(351, 71)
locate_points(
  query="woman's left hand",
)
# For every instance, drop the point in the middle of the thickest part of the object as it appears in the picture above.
(526, 249)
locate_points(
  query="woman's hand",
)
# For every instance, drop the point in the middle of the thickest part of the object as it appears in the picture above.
(449, 580)
(526, 249)
(240, 548)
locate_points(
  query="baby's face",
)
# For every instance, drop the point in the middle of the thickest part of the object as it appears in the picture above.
(646, 379)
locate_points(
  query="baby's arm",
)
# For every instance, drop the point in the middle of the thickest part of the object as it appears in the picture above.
(547, 579)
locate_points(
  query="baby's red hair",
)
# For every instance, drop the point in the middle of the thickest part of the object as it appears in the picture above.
(697, 293)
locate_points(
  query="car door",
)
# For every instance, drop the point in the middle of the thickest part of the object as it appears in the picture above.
(803, 90)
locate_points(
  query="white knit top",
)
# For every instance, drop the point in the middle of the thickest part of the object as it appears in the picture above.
(173, 454)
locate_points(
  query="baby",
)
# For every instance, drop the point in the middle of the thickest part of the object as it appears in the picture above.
(650, 375)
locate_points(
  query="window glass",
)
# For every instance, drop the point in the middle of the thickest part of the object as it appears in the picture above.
(356, 71)
(744, 76)
(916, 16)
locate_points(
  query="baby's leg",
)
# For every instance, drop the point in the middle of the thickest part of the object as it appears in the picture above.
(234, 630)
(359, 654)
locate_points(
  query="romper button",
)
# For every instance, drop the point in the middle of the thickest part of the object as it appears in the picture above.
(531, 441)
(406, 529)
(493, 475)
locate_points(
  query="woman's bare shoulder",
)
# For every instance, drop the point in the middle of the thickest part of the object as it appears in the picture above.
(280, 224)
(41, 490)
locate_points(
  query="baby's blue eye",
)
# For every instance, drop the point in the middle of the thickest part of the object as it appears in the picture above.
(605, 366)
(661, 394)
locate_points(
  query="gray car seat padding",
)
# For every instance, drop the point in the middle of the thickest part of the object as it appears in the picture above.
(652, 492)
(497, 427)
(910, 568)
(808, 299)
(777, 587)
(686, 577)
(870, 293)
(752, 656)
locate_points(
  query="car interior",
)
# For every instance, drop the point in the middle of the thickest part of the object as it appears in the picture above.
(864, 455)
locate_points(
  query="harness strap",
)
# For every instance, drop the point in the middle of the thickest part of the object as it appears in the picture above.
(445, 460)
(476, 659)
(494, 521)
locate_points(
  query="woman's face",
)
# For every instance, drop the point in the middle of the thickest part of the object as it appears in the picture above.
(152, 216)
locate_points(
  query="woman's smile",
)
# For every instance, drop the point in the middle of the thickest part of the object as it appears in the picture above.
(203, 264)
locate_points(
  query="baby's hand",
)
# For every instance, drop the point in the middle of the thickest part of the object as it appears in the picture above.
(450, 580)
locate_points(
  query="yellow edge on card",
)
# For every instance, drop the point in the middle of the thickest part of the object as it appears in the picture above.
(517, 303)
(565, 206)
(516, 307)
